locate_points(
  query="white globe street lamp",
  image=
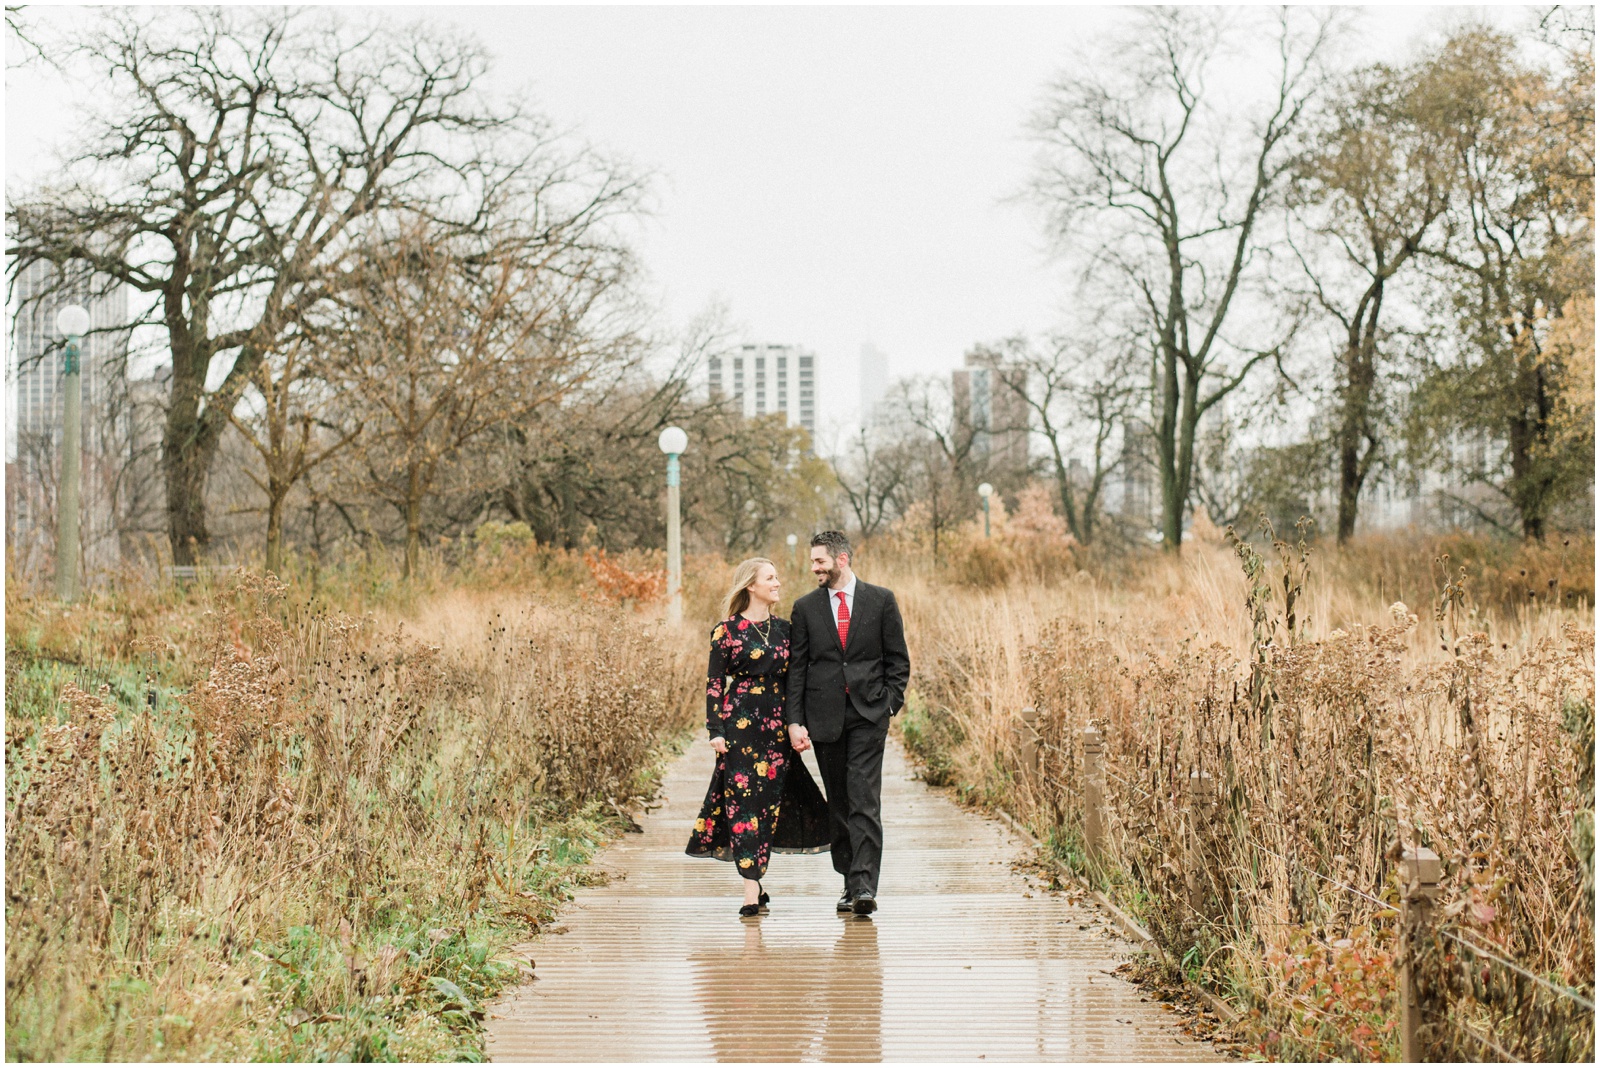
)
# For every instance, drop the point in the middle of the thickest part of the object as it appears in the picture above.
(794, 557)
(985, 491)
(73, 322)
(673, 441)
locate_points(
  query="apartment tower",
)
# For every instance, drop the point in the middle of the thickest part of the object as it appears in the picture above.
(767, 379)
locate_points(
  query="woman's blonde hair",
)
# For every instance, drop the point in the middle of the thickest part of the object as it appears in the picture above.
(738, 598)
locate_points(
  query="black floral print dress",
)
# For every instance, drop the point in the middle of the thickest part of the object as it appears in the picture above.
(761, 799)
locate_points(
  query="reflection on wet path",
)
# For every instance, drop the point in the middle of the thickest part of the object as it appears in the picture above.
(961, 962)
(852, 1029)
(829, 1003)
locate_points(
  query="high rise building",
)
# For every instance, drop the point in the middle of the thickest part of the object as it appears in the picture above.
(987, 402)
(34, 442)
(1137, 478)
(767, 379)
(874, 381)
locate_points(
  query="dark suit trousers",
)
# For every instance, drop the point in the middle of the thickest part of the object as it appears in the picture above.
(852, 774)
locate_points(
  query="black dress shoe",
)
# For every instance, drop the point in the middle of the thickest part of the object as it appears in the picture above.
(746, 911)
(864, 905)
(764, 901)
(844, 902)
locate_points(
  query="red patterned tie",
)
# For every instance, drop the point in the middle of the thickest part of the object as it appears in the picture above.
(844, 620)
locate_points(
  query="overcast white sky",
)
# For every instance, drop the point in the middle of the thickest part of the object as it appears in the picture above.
(834, 175)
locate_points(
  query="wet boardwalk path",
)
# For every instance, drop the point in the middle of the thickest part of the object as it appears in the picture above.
(963, 961)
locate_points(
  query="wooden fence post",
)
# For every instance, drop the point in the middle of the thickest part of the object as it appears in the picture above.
(1094, 779)
(1026, 730)
(1201, 803)
(1420, 871)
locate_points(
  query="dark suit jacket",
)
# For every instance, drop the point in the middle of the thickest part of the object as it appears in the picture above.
(875, 665)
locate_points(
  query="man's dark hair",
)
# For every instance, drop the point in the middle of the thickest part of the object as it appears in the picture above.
(834, 541)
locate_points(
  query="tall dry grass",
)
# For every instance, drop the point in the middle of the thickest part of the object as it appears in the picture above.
(273, 830)
(1338, 727)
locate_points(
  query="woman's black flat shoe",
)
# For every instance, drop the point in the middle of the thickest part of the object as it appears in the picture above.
(765, 900)
(746, 911)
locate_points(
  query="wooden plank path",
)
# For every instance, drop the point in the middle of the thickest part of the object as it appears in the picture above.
(964, 960)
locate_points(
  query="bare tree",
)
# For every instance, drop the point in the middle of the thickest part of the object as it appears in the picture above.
(590, 463)
(875, 474)
(1076, 394)
(946, 462)
(235, 156)
(586, 470)
(761, 474)
(289, 422)
(19, 28)
(449, 336)
(1124, 144)
(590, 468)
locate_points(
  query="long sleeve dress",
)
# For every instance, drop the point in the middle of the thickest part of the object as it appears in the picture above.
(761, 800)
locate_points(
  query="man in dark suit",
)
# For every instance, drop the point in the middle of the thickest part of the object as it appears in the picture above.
(848, 671)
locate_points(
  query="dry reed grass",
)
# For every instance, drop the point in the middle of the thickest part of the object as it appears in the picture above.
(1337, 728)
(242, 824)
(277, 831)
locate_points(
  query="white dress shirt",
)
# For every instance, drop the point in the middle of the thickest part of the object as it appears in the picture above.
(849, 592)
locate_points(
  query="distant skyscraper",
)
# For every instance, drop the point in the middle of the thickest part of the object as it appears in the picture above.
(38, 376)
(1137, 469)
(987, 401)
(767, 379)
(874, 381)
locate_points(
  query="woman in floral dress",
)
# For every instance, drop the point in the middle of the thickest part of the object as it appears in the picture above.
(761, 799)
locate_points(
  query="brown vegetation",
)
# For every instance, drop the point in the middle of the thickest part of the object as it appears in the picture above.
(275, 830)
(242, 823)
(1338, 726)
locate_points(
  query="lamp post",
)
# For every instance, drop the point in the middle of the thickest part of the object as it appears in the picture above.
(794, 558)
(985, 491)
(672, 442)
(73, 322)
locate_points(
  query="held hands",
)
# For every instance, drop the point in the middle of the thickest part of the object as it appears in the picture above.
(799, 738)
(719, 744)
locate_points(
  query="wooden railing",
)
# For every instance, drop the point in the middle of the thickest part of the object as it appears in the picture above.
(187, 573)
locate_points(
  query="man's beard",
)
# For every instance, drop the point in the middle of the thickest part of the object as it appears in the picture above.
(828, 577)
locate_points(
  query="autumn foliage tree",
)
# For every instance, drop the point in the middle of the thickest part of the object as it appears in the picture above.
(1373, 184)
(1516, 254)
